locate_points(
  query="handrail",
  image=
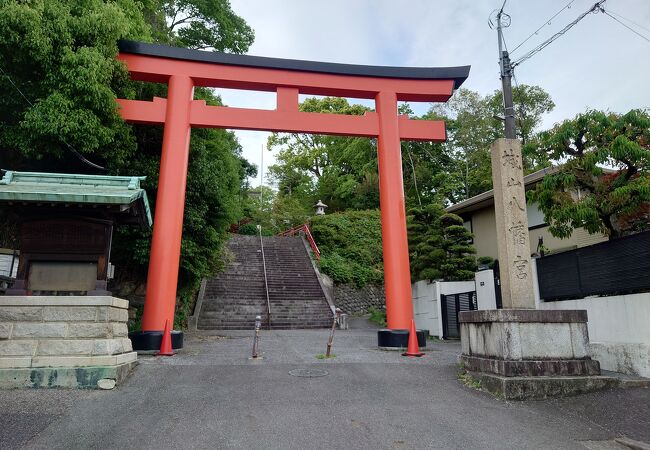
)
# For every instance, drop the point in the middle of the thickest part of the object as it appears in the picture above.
(266, 282)
(305, 229)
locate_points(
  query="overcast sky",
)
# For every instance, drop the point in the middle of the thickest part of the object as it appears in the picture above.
(597, 64)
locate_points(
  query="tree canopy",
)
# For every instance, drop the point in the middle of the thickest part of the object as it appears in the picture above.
(59, 80)
(207, 24)
(440, 246)
(339, 170)
(604, 183)
(473, 123)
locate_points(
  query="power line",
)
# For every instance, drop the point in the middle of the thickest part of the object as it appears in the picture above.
(595, 8)
(629, 28)
(68, 146)
(547, 22)
(629, 20)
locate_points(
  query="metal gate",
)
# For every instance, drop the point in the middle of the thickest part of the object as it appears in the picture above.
(451, 305)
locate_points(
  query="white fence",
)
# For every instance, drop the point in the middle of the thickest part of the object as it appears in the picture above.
(426, 302)
(619, 326)
(619, 329)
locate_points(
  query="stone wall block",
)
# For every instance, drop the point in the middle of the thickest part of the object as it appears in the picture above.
(127, 345)
(15, 362)
(55, 347)
(70, 313)
(465, 341)
(118, 315)
(111, 346)
(120, 330)
(546, 340)
(5, 330)
(17, 348)
(355, 301)
(89, 330)
(39, 330)
(511, 345)
(21, 314)
(580, 340)
(73, 361)
(102, 313)
(126, 358)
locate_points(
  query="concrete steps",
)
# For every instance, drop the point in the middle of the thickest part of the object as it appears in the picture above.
(234, 297)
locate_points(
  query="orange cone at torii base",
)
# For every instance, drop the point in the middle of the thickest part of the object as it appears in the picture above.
(413, 348)
(166, 343)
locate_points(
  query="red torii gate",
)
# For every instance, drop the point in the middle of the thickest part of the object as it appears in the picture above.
(183, 69)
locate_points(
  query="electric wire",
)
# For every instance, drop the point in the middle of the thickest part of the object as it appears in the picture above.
(629, 28)
(595, 8)
(547, 22)
(629, 20)
(503, 6)
(68, 146)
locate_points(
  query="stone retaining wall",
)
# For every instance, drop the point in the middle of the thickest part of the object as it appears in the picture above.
(356, 301)
(38, 332)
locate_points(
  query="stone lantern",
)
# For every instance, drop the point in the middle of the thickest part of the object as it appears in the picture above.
(320, 208)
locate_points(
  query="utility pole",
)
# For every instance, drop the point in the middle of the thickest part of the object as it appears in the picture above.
(506, 75)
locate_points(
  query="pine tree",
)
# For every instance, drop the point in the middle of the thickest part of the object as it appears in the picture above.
(440, 246)
(460, 262)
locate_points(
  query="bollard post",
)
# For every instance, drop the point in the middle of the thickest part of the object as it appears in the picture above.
(258, 325)
(337, 314)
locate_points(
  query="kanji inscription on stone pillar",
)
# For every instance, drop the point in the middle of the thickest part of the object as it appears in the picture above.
(512, 225)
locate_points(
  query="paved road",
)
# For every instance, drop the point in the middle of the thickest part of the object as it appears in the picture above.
(213, 396)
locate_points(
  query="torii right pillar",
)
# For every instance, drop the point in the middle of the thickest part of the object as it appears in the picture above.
(520, 352)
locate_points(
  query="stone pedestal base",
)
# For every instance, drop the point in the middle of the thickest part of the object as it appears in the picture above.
(64, 377)
(63, 341)
(527, 353)
(524, 388)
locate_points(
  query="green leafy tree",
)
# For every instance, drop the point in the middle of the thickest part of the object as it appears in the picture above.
(425, 242)
(337, 169)
(59, 80)
(584, 192)
(459, 263)
(440, 246)
(207, 24)
(473, 124)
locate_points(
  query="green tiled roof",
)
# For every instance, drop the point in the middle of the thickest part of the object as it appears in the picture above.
(35, 187)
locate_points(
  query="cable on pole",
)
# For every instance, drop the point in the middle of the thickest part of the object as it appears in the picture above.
(597, 7)
(547, 22)
(629, 28)
(629, 20)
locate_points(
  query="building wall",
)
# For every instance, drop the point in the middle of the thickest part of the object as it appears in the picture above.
(485, 235)
(484, 227)
(619, 334)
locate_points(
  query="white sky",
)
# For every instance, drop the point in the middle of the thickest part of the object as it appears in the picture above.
(597, 64)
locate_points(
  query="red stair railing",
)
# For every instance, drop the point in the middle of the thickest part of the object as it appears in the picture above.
(304, 228)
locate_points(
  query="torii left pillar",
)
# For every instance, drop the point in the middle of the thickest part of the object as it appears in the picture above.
(162, 278)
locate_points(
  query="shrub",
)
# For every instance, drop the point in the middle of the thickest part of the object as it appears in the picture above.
(350, 245)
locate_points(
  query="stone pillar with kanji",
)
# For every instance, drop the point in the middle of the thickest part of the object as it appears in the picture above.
(512, 224)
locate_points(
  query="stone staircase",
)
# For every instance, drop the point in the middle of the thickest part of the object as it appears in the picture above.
(233, 298)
